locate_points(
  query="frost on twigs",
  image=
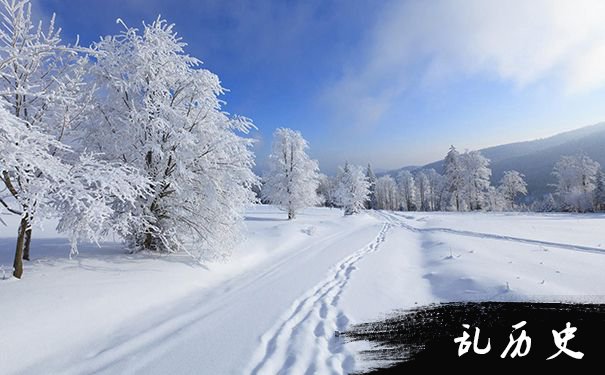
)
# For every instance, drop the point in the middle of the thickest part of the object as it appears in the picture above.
(293, 178)
(126, 137)
(161, 116)
(46, 99)
(353, 189)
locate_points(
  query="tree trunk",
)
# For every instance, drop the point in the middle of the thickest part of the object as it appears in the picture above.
(18, 262)
(28, 239)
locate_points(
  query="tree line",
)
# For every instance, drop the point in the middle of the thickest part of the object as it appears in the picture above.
(464, 185)
(293, 180)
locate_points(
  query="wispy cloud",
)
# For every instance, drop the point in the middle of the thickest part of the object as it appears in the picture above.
(416, 43)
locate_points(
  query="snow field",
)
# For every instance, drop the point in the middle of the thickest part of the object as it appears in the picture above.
(277, 305)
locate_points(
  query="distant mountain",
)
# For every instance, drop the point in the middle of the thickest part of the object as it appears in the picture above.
(536, 159)
(394, 172)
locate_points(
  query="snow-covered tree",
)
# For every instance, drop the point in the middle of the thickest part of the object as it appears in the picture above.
(387, 194)
(576, 182)
(353, 189)
(407, 190)
(326, 190)
(293, 178)
(26, 153)
(549, 204)
(599, 193)
(35, 70)
(455, 177)
(476, 171)
(511, 185)
(437, 190)
(546, 204)
(371, 177)
(88, 197)
(423, 190)
(45, 170)
(467, 179)
(158, 112)
(494, 199)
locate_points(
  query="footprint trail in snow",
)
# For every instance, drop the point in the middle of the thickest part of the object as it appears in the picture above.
(305, 340)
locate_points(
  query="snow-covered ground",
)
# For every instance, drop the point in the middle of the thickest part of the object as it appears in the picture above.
(276, 305)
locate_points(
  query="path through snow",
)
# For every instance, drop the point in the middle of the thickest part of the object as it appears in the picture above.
(313, 322)
(277, 305)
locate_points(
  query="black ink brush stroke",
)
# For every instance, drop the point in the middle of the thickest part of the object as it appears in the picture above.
(423, 338)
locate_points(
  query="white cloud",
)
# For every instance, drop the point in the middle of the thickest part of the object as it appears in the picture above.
(523, 42)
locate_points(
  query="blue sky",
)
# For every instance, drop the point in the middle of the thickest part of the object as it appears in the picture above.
(393, 83)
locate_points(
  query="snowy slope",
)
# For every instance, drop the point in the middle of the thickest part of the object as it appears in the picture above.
(276, 305)
(559, 229)
(466, 258)
(536, 158)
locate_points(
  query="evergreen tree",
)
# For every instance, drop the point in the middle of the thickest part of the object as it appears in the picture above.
(371, 177)
(454, 175)
(600, 192)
